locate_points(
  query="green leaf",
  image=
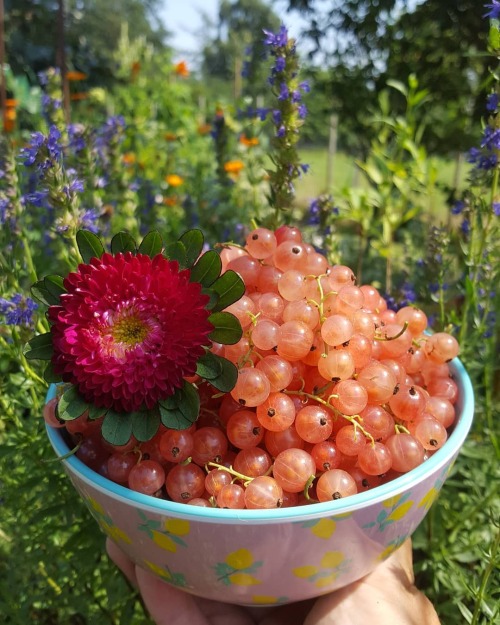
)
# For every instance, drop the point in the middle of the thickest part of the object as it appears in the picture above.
(226, 381)
(96, 412)
(213, 298)
(227, 328)
(117, 427)
(229, 287)
(185, 413)
(71, 405)
(207, 269)
(176, 251)
(123, 242)
(42, 294)
(89, 245)
(152, 244)
(193, 243)
(54, 285)
(208, 366)
(49, 375)
(145, 424)
(40, 347)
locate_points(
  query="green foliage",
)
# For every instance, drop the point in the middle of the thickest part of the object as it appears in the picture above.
(399, 179)
(53, 567)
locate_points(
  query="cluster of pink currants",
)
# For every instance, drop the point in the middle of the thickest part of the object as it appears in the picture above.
(336, 393)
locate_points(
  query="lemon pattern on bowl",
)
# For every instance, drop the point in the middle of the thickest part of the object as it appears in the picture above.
(268, 600)
(238, 569)
(392, 546)
(395, 508)
(430, 496)
(105, 521)
(331, 566)
(176, 579)
(325, 528)
(167, 535)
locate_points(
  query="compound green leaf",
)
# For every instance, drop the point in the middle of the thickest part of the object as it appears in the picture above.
(40, 347)
(145, 424)
(89, 245)
(227, 328)
(227, 379)
(117, 427)
(193, 243)
(54, 285)
(208, 366)
(49, 376)
(123, 242)
(71, 405)
(176, 251)
(207, 269)
(42, 294)
(185, 413)
(229, 287)
(152, 244)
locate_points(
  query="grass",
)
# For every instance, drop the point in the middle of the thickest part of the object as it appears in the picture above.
(344, 173)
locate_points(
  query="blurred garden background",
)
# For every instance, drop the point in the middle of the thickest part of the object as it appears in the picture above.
(397, 177)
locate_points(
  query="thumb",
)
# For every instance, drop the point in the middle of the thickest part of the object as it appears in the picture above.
(166, 604)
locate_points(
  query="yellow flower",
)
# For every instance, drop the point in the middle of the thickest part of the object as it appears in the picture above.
(75, 97)
(204, 129)
(129, 158)
(173, 180)
(75, 76)
(249, 142)
(181, 69)
(233, 167)
(171, 201)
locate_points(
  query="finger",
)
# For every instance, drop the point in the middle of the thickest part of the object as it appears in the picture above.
(166, 604)
(123, 562)
(399, 565)
(387, 594)
(292, 614)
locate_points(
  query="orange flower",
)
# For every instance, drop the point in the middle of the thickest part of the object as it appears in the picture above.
(233, 167)
(10, 115)
(170, 136)
(249, 142)
(181, 69)
(75, 76)
(173, 180)
(135, 68)
(11, 103)
(170, 201)
(129, 158)
(204, 129)
(76, 97)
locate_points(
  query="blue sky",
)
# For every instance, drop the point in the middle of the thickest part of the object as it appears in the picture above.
(183, 19)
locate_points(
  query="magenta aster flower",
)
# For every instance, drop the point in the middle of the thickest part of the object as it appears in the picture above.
(128, 330)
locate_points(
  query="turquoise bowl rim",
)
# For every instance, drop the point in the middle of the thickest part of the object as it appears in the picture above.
(465, 408)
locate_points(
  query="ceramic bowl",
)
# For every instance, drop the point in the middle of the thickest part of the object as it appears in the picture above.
(257, 557)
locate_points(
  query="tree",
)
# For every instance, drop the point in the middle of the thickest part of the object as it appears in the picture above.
(438, 40)
(92, 31)
(238, 45)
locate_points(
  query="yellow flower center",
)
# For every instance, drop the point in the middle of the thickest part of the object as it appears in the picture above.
(129, 330)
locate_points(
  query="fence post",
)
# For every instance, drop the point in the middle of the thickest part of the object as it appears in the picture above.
(332, 150)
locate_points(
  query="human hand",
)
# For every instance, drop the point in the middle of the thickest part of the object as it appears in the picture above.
(387, 595)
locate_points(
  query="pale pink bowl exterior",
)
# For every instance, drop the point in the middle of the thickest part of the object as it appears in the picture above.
(253, 557)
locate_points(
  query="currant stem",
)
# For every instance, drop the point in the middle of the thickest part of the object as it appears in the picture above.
(396, 336)
(244, 478)
(352, 419)
(308, 485)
